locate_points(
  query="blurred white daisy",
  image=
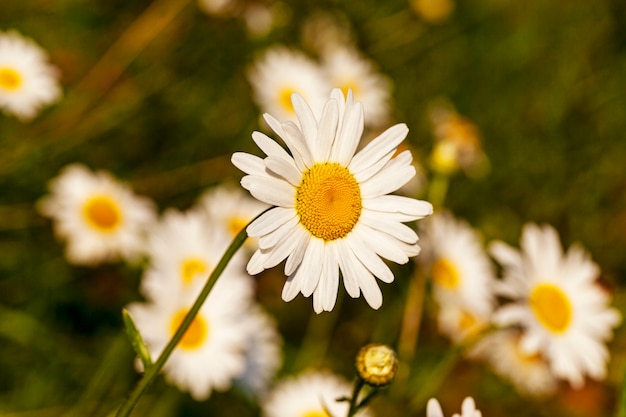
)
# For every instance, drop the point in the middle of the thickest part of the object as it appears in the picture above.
(468, 409)
(263, 352)
(347, 69)
(556, 299)
(184, 248)
(99, 217)
(310, 394)
(279, 73)
(459, 323)
(333, 209)
(461, 272)
(231, 209)
(529, 373)
(27, 81)
(211, 353)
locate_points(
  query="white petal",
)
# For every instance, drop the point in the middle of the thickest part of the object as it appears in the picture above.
(307, 120)
(273, 191)
(292, 286)
(393, 176)
(270, 221)
(381, 243)
(387, 142)
(370, 260)
(325, 295)
(272, 238)
(312, 264)
(284, 168)
(248, 163)
(399, 204)
(398, 230)
(349, 136)
(433, 409)
(280, 251)
(255, 265)
(302, 237)
(350, 279)
(297, 145)
(326, 131)
(269, 146)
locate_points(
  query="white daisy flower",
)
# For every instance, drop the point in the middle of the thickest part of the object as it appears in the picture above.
(184, 248)
(333, 211)
(99, 217)
(460, 323)
(468, 409)
(310, 394)
(556, 299)
(231, 209)
(27, 81)
(263, 352)
(279, 73)
(211, 353)
(460, 270)
(348, 70)
(529, 373)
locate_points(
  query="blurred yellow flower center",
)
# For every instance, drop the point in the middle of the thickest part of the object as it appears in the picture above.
(551, 307)
(316, 413)
(10, 79)
(445, 274)
(349, 85)
(196, 333)
(103, 213)
(328, 201)
(467, 321)
(191, 268)
(284, 98)
(236, 225)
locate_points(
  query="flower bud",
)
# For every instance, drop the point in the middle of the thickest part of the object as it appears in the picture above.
(376, 364)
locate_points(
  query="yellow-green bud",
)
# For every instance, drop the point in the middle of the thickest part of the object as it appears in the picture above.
(376, 364)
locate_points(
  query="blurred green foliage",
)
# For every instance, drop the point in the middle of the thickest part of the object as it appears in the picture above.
(169, 102)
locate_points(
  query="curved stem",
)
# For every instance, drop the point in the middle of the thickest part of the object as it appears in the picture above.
(152, 372)
(355, 395)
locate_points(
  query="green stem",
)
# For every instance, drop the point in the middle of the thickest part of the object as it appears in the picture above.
(152, 372)
(437, 189)
(355, 395)
(621, 410)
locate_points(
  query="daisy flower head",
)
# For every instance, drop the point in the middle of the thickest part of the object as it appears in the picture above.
(231, 209)
(530, 374)
(99, 217)
(332, 209)
(468, 409)
(27, 81)
(348, 70)
(263, 352)
(310, 394)
(556, 299)
(184, 248)
(460, 270)
(279, 73)
(211, 353)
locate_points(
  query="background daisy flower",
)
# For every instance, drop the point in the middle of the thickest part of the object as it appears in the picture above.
(211, 353)
(99, 217)
(27, 81)
(460, 270)
(468, 409)
(556, 299)
(278, 73)
(347, 69)
(310, 394)
(184, 248)
(333, 211)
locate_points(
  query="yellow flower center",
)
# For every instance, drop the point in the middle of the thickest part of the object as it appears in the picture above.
(236, 225)
(349, 85)
(284, 98)
(10, 79)
(191, 268)
(103, 213)
(316, 413)
(467, 321)
(328, 201)
(551, 307)
(445, 274)
(196, 333)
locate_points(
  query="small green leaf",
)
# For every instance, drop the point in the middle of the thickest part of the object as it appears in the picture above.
(136, 340)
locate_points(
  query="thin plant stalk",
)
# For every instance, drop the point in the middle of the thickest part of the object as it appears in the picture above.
(128, 405)
(354, 407)
(621, 408)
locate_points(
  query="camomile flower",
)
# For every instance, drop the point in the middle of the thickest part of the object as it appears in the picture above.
(530, 374)
(184, 248)
(556, 299)
(348, 70)
(211, 353)
(99, 218)
(468, 409)
(263, 352)
(459, 268)
(460, 323)
(27, 81)
(231, 209)
(279, 73)
(333, 212)
(310, 394)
